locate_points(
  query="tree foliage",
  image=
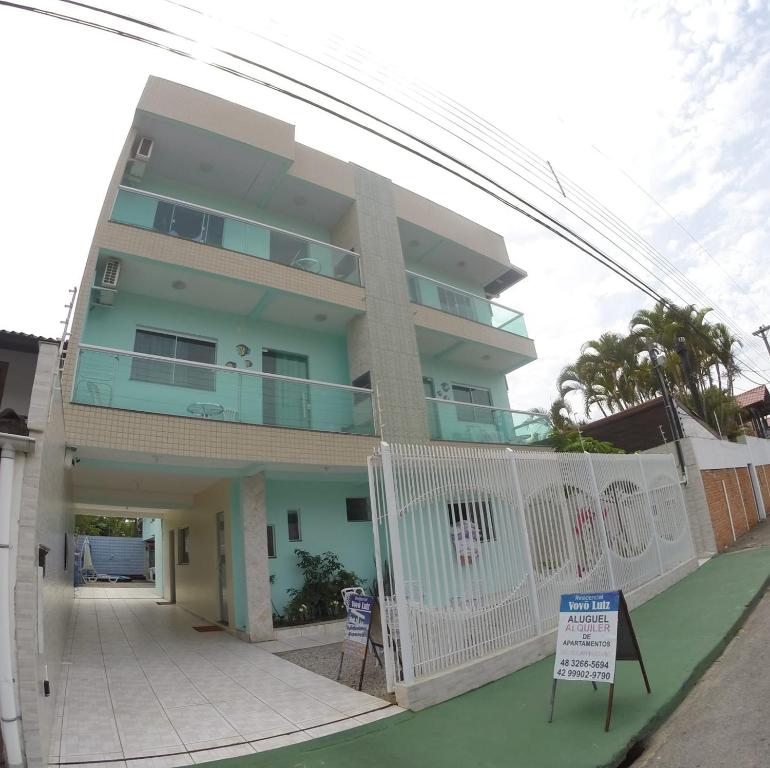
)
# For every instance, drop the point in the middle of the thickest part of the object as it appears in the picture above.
(614, 372)
(571, 441)
(319, 597)
(94, 525)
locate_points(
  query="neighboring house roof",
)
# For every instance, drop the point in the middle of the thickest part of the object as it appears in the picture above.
(641, 427)
(758, 398)
(23, 342)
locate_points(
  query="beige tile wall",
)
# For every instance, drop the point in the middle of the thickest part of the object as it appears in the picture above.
(180, 436)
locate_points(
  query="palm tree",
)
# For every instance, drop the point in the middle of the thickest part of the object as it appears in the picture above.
(581, 376)
(616, 358)
(560, 414)
(723, 342)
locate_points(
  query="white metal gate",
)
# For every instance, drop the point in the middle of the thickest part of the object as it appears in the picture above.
(474, 546)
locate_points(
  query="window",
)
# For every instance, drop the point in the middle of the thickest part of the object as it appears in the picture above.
(365, 382)
(188, 223)
(474, 396)
(456, 303)
(358, 510)
(180, 348)
(292, 517)
(478, 513)
(413, 286)
(271, 541)
(183, 553)
(42, 555)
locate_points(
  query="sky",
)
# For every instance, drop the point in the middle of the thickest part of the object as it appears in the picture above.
(660, 110)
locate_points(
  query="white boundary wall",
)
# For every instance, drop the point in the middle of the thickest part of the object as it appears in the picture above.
(531, 526)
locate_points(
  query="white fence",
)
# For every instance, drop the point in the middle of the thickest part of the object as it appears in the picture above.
(475, 546)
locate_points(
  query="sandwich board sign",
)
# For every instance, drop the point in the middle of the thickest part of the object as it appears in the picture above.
(357, 628)
(594, 632)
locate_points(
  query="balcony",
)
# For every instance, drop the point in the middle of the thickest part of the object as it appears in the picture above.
(133, 381)
(446, 298)
(177, 218)
(462, 422)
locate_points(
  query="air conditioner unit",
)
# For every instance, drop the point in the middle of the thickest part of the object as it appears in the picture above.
(111, 273)
(143, 149)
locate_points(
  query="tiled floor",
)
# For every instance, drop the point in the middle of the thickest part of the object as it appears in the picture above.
(143, 687)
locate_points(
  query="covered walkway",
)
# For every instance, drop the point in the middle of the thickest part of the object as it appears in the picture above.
(142, 684)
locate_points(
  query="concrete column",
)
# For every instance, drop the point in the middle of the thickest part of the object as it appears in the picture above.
(254, 515)
(694, 499)
(384, 341)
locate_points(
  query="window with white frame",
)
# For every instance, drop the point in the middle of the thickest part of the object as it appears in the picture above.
(183, 555)
(171, 345)
(292, 519)
(357, 509)
(473, 396)
(271, 541)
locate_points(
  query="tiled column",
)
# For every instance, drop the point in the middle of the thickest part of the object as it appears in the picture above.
(254, 515)
(384, 338)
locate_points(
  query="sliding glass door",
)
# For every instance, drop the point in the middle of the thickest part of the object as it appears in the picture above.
(285, 403)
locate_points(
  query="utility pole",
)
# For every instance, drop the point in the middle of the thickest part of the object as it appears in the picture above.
(672, 416)
(762, 332)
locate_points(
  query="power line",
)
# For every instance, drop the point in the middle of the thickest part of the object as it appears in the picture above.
(521, 206)
(529, 210)
(598, 210)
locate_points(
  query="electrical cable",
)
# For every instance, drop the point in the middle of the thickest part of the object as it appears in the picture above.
(613, 221)
(533, 213)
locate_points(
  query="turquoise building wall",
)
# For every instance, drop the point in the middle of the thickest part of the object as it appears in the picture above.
(324, 527)
(116, 327)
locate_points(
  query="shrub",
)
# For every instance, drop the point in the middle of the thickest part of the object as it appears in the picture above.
(319, 597)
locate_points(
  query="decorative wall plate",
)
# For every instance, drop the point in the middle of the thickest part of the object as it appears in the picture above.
(242, 350)
(230, 364)
(247, 363)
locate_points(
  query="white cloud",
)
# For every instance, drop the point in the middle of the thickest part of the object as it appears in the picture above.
(674, 93)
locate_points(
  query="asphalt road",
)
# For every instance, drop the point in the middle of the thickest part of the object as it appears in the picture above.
(723, 723)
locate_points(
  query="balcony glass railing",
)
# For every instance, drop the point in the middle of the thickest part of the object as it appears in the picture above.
(133, 381)
(454, 420)
(233, 233)
(432, 293)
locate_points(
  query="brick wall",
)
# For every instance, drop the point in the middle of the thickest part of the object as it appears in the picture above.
(729, 494)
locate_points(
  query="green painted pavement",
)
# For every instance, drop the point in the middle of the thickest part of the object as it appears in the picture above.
(504, 723)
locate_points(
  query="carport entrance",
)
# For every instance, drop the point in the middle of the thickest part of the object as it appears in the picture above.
(142, 684)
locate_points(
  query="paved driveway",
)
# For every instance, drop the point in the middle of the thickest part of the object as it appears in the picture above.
(140, 683)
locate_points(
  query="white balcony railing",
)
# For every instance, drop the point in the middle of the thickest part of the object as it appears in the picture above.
(200, 224)
(433, 293)
(468, 423)
(134, 381)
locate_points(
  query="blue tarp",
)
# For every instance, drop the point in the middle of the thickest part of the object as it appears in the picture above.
(116, 555)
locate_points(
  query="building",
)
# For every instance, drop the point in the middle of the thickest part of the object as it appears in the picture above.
(755, 408)
(35, 545)
(254, 317)
(726, 485)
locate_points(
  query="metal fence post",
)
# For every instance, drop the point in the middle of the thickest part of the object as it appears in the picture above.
(655, 535)
(527, 549)
(602, 526)
(397, 574)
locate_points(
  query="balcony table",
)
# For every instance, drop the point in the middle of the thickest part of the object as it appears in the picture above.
(206, 410)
